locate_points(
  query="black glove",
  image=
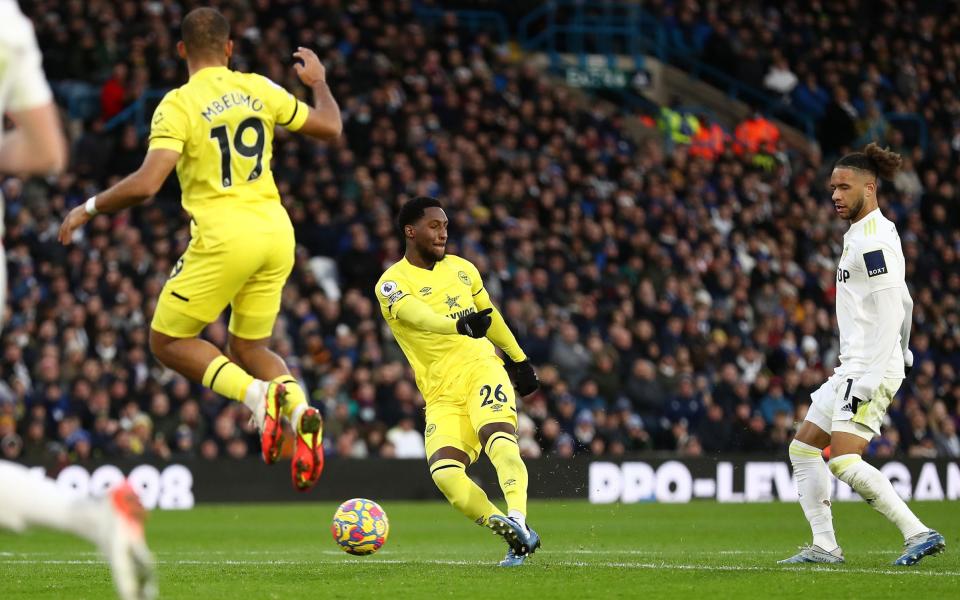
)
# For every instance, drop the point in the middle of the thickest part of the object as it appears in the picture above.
(524, 377)
(476, 324)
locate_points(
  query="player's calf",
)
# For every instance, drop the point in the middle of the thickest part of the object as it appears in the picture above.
(876, 489)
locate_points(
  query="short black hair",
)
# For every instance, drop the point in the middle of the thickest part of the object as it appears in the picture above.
(413, 210)
(881, 163)
(204, 31)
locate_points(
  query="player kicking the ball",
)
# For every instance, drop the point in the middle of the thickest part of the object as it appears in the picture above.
(874, 313)
(217, 130)
(444, 321)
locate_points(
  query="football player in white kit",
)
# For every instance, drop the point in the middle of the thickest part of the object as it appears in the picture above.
(36, 146)
(874, 313)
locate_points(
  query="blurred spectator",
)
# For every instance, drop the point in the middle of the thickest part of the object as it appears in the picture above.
(714, 431)
(644, 390)
(710, 141)
(779, 77)
(775, 402)
(113, 94)
(757, 133)
(947, 442)
(810, 97)
(407, 441)
(838, 126)
(10, 446)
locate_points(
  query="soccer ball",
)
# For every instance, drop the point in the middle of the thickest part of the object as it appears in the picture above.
(360, 526)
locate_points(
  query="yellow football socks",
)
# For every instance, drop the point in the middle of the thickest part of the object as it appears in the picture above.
(504, 453)
(227, 379)
(466, 496)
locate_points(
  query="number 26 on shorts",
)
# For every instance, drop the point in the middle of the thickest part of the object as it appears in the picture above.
(489, 394)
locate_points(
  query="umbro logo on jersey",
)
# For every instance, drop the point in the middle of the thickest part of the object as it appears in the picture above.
(426, 291)
(876, 265)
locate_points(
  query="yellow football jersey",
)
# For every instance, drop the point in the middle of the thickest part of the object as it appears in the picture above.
(448, 289)
(221, 122)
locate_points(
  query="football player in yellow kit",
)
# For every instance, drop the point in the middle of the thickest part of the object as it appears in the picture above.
(217, 129)
(444, 321)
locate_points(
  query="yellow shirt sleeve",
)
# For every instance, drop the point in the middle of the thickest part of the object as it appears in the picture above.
(421, 316)
(476, 281)
(289, 112)
(169, 126)
(391, 289)
(396, 302)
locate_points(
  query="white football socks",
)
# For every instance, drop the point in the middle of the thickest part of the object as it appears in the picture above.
(519, 517)
(255, 399)
(813, 487)
(877, 490)
(28, 500)
(296, 414)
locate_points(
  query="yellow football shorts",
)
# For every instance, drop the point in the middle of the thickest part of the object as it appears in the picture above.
(482, 394)
(247, 272)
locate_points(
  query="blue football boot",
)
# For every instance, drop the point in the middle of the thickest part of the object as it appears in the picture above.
(522, 541)
(923, 544)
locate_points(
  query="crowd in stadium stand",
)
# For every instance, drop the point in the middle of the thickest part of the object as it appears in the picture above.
(847, 64)
(671, 302)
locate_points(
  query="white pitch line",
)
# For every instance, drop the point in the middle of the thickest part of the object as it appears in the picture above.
(694, 552)
(299, 553)
(735, 568)
(610, 565)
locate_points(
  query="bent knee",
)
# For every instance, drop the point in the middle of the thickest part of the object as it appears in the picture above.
(159, 345)
(839, 464)
(487, 431)
(445, 472)
(799, 450)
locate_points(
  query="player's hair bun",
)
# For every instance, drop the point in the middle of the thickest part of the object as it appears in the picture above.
(886, 162)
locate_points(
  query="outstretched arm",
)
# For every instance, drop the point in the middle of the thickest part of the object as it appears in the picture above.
(133, 189)
(323, 122)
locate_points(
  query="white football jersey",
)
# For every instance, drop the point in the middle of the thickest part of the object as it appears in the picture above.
(22, 83)
(872, 260)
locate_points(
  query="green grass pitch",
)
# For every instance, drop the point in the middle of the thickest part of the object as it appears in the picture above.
(610, 551)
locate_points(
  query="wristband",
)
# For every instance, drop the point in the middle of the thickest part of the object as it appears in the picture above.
(91, 206)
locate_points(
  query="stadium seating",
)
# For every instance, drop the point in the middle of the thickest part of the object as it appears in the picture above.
(672, 302)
